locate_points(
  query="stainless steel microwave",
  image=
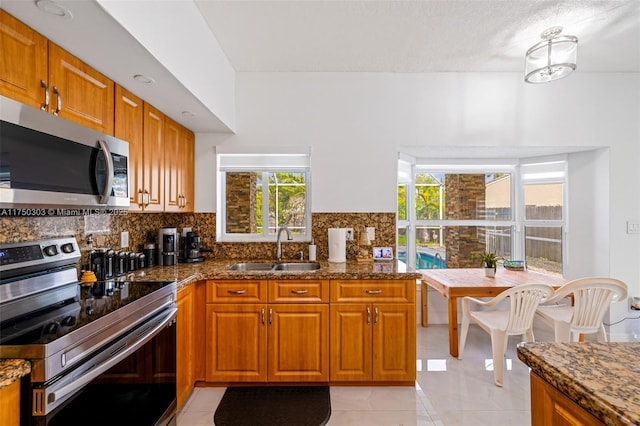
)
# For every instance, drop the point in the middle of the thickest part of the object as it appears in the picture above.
(50, 162)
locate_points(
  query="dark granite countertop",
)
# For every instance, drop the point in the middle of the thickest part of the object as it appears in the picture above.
(12, 370)
(602, 378)
(186, 273)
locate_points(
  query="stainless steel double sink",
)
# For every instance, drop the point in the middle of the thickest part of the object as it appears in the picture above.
(274, 266)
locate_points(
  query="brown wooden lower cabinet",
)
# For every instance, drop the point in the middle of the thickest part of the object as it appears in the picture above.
(550, 407)
(10, 404)
(373, 342)
(267, 343)
(185, 344)
(281, 331)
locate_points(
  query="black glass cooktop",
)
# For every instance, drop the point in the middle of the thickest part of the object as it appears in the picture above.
(92, 302)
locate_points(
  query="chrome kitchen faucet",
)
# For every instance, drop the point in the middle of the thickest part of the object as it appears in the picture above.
(278, 244)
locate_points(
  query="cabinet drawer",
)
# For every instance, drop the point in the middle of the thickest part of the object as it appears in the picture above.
(373, 291)
(236, 291)
(299, 291)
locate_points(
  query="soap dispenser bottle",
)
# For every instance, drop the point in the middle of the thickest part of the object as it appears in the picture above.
(312, 252)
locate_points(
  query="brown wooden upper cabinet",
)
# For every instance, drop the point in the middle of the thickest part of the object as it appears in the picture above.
(23, 63)
(39, 73)
(178, 168)
(153, 159)
(129, 126)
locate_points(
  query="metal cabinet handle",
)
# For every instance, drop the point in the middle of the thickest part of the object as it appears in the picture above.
(368, 315)
(375, 318)
(373, 291)
(305, 291)
(146, 199)
(58, 101)
(270, 316)
(140, 197)
(241, 291)
(45, 86)
(262, 315)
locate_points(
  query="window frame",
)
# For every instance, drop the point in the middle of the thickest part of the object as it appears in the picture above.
(408, 168)
(272, 160)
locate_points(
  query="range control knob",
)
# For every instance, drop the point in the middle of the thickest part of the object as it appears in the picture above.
(67, 248)
(51, 328)
(68, 321)
(50, 250)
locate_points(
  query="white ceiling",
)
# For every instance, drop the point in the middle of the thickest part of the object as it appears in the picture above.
(419, 36)
(345, 36)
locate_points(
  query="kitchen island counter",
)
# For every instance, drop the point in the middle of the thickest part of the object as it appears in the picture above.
(601, 378)
(12, 370)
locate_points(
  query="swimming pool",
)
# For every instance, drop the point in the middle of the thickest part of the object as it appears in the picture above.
(425, 261)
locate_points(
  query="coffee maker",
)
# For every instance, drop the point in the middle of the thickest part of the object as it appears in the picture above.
(191, 248)
(168, 242)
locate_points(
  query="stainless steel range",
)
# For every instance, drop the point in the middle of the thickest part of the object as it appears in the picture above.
(109, 342)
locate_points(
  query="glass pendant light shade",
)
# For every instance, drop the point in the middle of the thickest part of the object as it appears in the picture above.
(552, 58)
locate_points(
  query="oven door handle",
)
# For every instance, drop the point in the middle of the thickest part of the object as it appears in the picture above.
(124, 347)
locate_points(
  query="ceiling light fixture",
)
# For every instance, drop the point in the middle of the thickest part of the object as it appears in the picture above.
(552, 58)
(143, 79)
(53, 8)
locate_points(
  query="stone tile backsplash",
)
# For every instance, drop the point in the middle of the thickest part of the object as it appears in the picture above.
(105, 230)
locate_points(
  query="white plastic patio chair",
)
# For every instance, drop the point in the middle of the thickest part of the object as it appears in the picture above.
(523, 301)
(591, 299)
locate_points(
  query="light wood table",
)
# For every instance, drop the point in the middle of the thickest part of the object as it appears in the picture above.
(459, 282)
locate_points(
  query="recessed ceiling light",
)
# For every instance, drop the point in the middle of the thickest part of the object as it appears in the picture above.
(188, 114)
(53, 8)
(143, 79)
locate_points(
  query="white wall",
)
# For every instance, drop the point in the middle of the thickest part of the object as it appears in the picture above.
(355, 121)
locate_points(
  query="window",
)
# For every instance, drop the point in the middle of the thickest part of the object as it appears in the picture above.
(543, 187)
(260, 191)
(449, 214)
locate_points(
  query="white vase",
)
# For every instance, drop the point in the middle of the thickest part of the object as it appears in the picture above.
(489, 272)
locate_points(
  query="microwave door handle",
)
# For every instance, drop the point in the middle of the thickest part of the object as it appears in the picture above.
(106, 191)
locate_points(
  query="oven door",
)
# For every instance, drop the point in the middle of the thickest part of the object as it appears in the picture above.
(131, 381)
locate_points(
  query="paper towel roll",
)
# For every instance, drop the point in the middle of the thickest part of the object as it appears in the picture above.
(337, 245)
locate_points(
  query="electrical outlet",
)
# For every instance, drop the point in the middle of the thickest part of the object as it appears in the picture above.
(124, 239)
(634, 303)
(371, 233)
(633, 227)
(349, 234)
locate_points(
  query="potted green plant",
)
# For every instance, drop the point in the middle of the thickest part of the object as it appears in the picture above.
(489, 263)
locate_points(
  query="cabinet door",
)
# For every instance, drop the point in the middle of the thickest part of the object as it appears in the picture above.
(129, 126)
(188, 170)
(153, 159)
(23, 63)
(350, 342)
(185, 362)
(549, 406)
(172, 166)
(394, 342)
(298, 343)
(86, 96)
(10, 404)
(236, 343)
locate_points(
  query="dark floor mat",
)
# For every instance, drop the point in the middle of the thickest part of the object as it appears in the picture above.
(274, 406)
